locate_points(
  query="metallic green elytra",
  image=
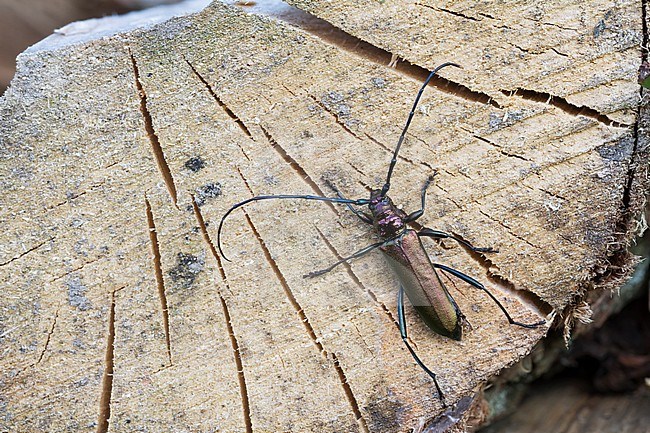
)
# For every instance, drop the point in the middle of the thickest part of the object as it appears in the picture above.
(423, 286)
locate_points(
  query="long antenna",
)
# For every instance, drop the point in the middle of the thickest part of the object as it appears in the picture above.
(393, 161)
(359, 202)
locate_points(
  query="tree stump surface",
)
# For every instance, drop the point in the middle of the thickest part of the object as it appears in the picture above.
(123, 145)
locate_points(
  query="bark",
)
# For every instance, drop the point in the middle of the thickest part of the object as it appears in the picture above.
(125, 142)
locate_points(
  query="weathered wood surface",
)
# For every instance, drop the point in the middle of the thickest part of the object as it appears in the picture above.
(121, 154)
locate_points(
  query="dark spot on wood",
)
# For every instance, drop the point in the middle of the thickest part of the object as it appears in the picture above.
(599, 28)
(333, 101)
(187, 268)
(618, 151)
(383, 414)
(450, 417)
(270, 180)
(77, 294)
(498, 120)
(195, 163)
(207, 191)
(379, 83)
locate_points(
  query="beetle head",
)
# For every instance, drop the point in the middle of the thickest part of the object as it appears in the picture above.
(389, 220)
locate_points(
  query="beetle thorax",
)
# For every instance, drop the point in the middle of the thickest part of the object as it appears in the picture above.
(388, 219)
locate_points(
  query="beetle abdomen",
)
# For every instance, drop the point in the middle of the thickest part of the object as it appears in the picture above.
(423, 286)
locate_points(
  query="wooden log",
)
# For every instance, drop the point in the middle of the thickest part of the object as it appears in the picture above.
(125, 144)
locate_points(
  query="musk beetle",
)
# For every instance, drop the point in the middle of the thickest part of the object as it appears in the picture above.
(406, 254)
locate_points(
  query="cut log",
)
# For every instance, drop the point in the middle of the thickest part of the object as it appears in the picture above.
(124, 143)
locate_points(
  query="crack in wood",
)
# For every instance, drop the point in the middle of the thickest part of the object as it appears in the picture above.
(294, 165)
(234, 342)
(448, 195)
(335, 116)
(69, 199)
(551, 193)
(545, 23)
(448, 11)
(308, 327)
(303, 317)
(536, 21)
(107, 378)
(204, 231)
(78, 268)
(509, 230)
(329, 34)
(524, 295)
(632, 167)
(248, 422)
(461, 171)
(610, 270)
(287, 290)
(362, 338)
(160, 282)
(500, 148)
(248, 187)
(524, 50)
(241, 149)
(156, 147)
(531, 173)
(37, 246)
(291, 92)
(390, 152)
(564, 105)
(220, 102)
(45, 346)
(356, 279)
(486, 15)
(49, 337)
(559, 53)
(357, 169)
(350, 395)
(73, 196)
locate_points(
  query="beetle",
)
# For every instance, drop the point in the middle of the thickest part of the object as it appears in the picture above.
(406, 255)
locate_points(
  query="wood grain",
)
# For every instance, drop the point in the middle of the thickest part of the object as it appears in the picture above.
(120, 155)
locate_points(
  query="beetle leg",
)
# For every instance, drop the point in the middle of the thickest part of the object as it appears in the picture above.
(437, 234)
(401, 320)
(359, 253)
(362, 215)
(472, 282)
(423, 195)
